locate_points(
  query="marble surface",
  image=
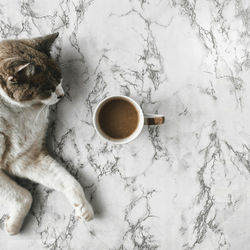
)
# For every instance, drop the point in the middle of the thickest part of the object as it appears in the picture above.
(183, 185)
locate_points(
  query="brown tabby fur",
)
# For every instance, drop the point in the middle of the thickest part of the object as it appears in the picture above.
(27, 72)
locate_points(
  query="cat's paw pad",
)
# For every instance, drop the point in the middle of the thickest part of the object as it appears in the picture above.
(84, 211)
(12, 228)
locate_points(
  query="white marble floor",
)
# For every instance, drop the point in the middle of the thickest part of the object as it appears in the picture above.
(184, 185)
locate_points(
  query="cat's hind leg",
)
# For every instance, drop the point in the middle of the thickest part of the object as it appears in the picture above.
(19, 201)
(48, 172)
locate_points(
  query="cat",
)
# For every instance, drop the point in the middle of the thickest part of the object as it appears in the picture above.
(30, 81)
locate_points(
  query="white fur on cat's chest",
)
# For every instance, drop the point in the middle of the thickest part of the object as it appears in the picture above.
(24, 127)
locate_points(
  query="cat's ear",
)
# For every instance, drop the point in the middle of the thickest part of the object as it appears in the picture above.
(19, 68)
(11, 80)
(28, 69)
(42, 43)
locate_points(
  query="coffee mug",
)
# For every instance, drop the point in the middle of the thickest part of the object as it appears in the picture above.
(143, 119)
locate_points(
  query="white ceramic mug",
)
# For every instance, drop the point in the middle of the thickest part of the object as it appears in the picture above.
(144, 119)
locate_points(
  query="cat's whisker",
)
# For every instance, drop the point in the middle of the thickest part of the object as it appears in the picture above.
(38, 114)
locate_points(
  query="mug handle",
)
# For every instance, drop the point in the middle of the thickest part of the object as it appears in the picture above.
(153, 119)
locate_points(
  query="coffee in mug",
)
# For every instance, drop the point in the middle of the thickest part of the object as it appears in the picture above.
(118, 118)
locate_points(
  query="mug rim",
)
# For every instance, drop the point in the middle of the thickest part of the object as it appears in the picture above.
(125, 140)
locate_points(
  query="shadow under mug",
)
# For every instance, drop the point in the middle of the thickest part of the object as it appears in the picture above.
(144, 119)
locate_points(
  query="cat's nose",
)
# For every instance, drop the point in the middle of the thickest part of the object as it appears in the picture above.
(59, 91)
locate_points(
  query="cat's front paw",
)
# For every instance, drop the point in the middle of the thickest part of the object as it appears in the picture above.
(12, 227)
(84, 211)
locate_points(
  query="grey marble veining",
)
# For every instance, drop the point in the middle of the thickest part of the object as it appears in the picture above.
(184, 185)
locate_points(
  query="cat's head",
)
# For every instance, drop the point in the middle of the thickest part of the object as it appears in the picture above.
(28, 74)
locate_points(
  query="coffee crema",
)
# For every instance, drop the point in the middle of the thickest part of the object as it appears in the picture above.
(118, 118)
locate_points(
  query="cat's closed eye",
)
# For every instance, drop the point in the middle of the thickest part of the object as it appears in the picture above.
(53, 88)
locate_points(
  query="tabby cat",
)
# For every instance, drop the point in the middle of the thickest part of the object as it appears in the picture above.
(30, 81)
